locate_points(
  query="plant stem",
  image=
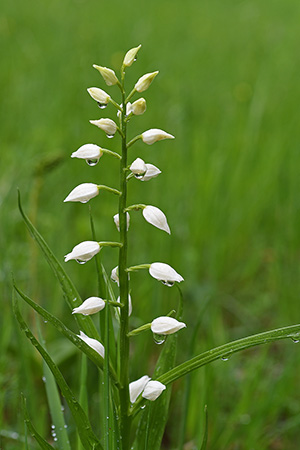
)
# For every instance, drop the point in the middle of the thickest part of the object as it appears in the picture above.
(125, 420)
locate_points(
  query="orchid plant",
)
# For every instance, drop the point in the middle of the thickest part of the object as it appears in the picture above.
(134, 411)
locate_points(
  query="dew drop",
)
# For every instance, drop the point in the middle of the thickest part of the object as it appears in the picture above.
(45, 321)
(138, 176)
(102, 105)
(296, 341)
(224, 358)
(159, 338)
(168, 283)
(92, 162)
(80, 262)
(53, 427)
(65, 426)
(110, 136)
(134, 59)
(44, 379)
(143, 407)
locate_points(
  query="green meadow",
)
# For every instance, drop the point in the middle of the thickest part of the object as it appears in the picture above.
(229, 90)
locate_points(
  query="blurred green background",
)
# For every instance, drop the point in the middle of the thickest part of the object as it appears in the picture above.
(229, 90)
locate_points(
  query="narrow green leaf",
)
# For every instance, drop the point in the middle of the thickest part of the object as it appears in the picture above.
(44, 445)
(55, 406)
(88, 438)
(83, 395)
(226, 350)
(71, 294)
(204, 442)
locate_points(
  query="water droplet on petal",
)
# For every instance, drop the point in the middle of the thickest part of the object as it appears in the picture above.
(102, 105)
(159, 338)
(168, 283)
(80, 262)
(92, 162)
(110, 136)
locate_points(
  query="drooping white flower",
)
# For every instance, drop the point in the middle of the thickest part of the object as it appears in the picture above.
(144, 82)
(137, 387)
(130, 56)
(99, 95)
(138, 167)
(93, 343)
(165, 273)
(83, 251)
(83, 193)
(117, 220)
(91, 305)
(151, 172)
(108, 75)
(154, 135)
(115, 275)
(166, 325)
(153, 389)
(138, 107)
(156, 217)
(89, 152)
(106, 125)
(129, 304)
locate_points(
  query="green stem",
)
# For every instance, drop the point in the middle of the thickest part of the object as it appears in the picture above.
(136, 138)
(125, 420)
(109, 189)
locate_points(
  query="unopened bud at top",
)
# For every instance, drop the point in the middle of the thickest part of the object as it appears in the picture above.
(144, 82)
(138, 107)
(154, 135)
(131, 56)
(106, 125)
(99, 95)
(108, 75)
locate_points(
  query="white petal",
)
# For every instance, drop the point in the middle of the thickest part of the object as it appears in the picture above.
(109, 75)
(137, 387)
(153, 390)
(93, 343)
(83, 251)
(154, 135)
(115, 275)
(91, 305)
(117, 220)
(83, 193)
(164, 273)
(129, 304)
(144, 82)
(130, 56)
(151, 172)
(138, 167)
(88, 151)
(166, 325)
(156, 217)
(99, 95)
(139, 107)
(106, 125)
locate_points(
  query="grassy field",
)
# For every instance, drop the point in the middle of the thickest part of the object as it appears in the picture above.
(229, 90)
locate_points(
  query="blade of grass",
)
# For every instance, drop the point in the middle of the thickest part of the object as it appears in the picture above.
(44, 445)
(204, 441)
(83, 396)
(89, 439)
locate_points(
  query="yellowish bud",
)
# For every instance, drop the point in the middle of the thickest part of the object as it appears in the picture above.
(108, 75)
(99, 95)
(144, 82)
(139, 107)
(131, 56)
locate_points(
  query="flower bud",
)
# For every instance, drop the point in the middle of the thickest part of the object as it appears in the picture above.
(131, 56)
(115, 275)
(151, 172)
(154, 135)
(117, 221)
(83, 251)
(93, 343)
(129, 304)
(108, 75)
(153, 390)
(91, 305)
(137, 387)
(83, 193)
(99, 95)
(165, 273)
(144, 82)
(139, 107)
(89, 152)
(138, 167)
(156, 217)
(166, 325)
(106, 125)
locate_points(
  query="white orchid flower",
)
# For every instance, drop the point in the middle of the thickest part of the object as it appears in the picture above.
(99, 95)
(154, 135)
(117, 220)
(156, 217)
(130, 56)
(93, 343)
(83, 193)
(83, 251)
(151, 172)
(90, 152)
(166, 325)
(165, 273)
(129, 304)
(106, 125)
(91, 305)
(144, 82)
(138, 167)
(108, 75)
(115, 275)
(138, 107)
(153, 389)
